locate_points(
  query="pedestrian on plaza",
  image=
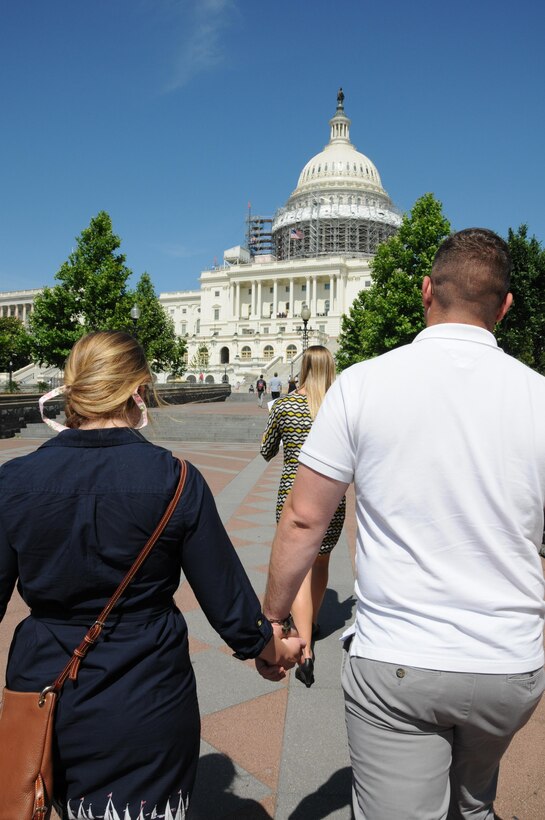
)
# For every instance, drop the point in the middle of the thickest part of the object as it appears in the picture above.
(444, 440)
(275, 387)
(261, 389)
(289, 423)
(74, 515)
(292, 383)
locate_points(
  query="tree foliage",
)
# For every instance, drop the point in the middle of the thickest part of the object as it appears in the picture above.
(14, 343)
(156, 332)
(92, 294)
(522, 332)
(389, 313)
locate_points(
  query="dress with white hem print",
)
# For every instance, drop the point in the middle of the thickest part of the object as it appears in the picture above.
(111, 813)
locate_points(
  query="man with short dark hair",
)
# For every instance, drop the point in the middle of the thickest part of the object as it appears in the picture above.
(261, 387)
(445, 442)
(275, 386)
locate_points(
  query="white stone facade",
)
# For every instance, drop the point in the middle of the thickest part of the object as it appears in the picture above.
(245, 319)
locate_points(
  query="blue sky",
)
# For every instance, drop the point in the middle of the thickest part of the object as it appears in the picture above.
(172, 114)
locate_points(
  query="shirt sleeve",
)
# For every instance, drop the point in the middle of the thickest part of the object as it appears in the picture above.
(329, 448)
(270, 443)
(216, 575)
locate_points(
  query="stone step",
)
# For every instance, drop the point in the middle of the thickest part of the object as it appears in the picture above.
(169, 424)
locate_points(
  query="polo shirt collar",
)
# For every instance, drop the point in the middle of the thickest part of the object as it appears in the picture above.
(458, 332)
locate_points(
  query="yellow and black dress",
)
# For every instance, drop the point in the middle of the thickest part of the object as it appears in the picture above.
(290, 422)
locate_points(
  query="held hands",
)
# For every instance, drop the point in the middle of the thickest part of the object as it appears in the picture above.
(281, 653)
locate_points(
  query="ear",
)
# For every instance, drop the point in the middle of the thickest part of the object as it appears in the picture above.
(504, 307)
(427, 292)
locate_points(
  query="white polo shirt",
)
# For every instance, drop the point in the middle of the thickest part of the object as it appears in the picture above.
(445, 442)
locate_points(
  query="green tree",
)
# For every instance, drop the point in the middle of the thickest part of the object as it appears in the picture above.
(156, 332)
(14, 343)
(389, 313)
(522, 332)
(200, 360)
(92, 294)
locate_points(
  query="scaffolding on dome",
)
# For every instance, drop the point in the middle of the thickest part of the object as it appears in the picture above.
(331, 236)
(259, 235)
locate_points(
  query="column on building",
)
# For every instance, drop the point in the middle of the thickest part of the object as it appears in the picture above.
(259, 302)
(314, 307)
(291, 310)
(308, 294)
(237, 300)
(275, 297)
(232, 299)
(332, 305)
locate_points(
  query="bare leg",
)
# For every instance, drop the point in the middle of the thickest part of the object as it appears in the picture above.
(319, 578)
(301, 610)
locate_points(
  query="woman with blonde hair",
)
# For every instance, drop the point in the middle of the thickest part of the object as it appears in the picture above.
(74, 515)
(289, 422)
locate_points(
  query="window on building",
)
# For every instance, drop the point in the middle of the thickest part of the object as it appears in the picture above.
(271, 290)
(326, 285)
(282, 329)
(184, 310)
(183, 328)
(266, 330)
(216, 314)
(198, 326)
(322, 328)
(216, 293)
(287, 289)
(326, 306)
(368, 284)
(268, 352)
(304, 288)
(246, 352)
(249, 291)
(291, 351)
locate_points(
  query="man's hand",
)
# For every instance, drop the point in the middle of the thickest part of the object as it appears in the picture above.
(280, 654)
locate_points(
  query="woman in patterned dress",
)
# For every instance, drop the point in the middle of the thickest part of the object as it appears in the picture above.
(74, 515)
(289, 422)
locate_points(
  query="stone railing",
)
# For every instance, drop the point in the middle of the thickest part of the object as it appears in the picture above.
(18, 410)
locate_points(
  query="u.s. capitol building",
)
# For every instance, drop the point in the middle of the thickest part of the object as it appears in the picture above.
(314, 253)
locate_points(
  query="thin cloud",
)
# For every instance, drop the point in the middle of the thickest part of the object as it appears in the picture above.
(201, 49)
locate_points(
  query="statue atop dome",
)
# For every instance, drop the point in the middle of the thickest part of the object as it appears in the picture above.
(340, 100)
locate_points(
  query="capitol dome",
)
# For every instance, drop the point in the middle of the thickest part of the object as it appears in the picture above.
(339, 206)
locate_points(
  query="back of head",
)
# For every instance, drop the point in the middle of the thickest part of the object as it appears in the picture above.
(316, 376)
(102, 372)
(470, 275)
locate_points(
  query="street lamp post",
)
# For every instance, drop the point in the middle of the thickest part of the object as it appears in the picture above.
(10, 371)
(305, 316)
(135, 315)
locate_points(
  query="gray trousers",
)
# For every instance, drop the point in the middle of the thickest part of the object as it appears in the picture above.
(427, 745)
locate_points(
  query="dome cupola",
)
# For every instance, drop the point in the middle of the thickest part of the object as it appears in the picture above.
(339, 205)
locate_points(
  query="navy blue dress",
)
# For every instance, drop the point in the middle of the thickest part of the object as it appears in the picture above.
(73, 516)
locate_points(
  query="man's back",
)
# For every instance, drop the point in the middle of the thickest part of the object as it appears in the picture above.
(446, 440)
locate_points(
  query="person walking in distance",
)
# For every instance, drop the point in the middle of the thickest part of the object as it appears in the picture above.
(444, 440)
(276, 387)
(261, 389)
(289, 423)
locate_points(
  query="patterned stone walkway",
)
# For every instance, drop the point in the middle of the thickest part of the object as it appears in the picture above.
(279, 750)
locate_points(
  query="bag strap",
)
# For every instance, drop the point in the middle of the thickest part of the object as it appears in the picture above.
(72, 667)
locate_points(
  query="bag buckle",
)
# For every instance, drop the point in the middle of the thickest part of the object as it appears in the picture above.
(44, 693)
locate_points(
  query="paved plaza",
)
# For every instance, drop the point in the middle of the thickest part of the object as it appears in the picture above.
(279, 750)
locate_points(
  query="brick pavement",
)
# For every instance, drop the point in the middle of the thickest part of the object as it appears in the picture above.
(279, 750)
